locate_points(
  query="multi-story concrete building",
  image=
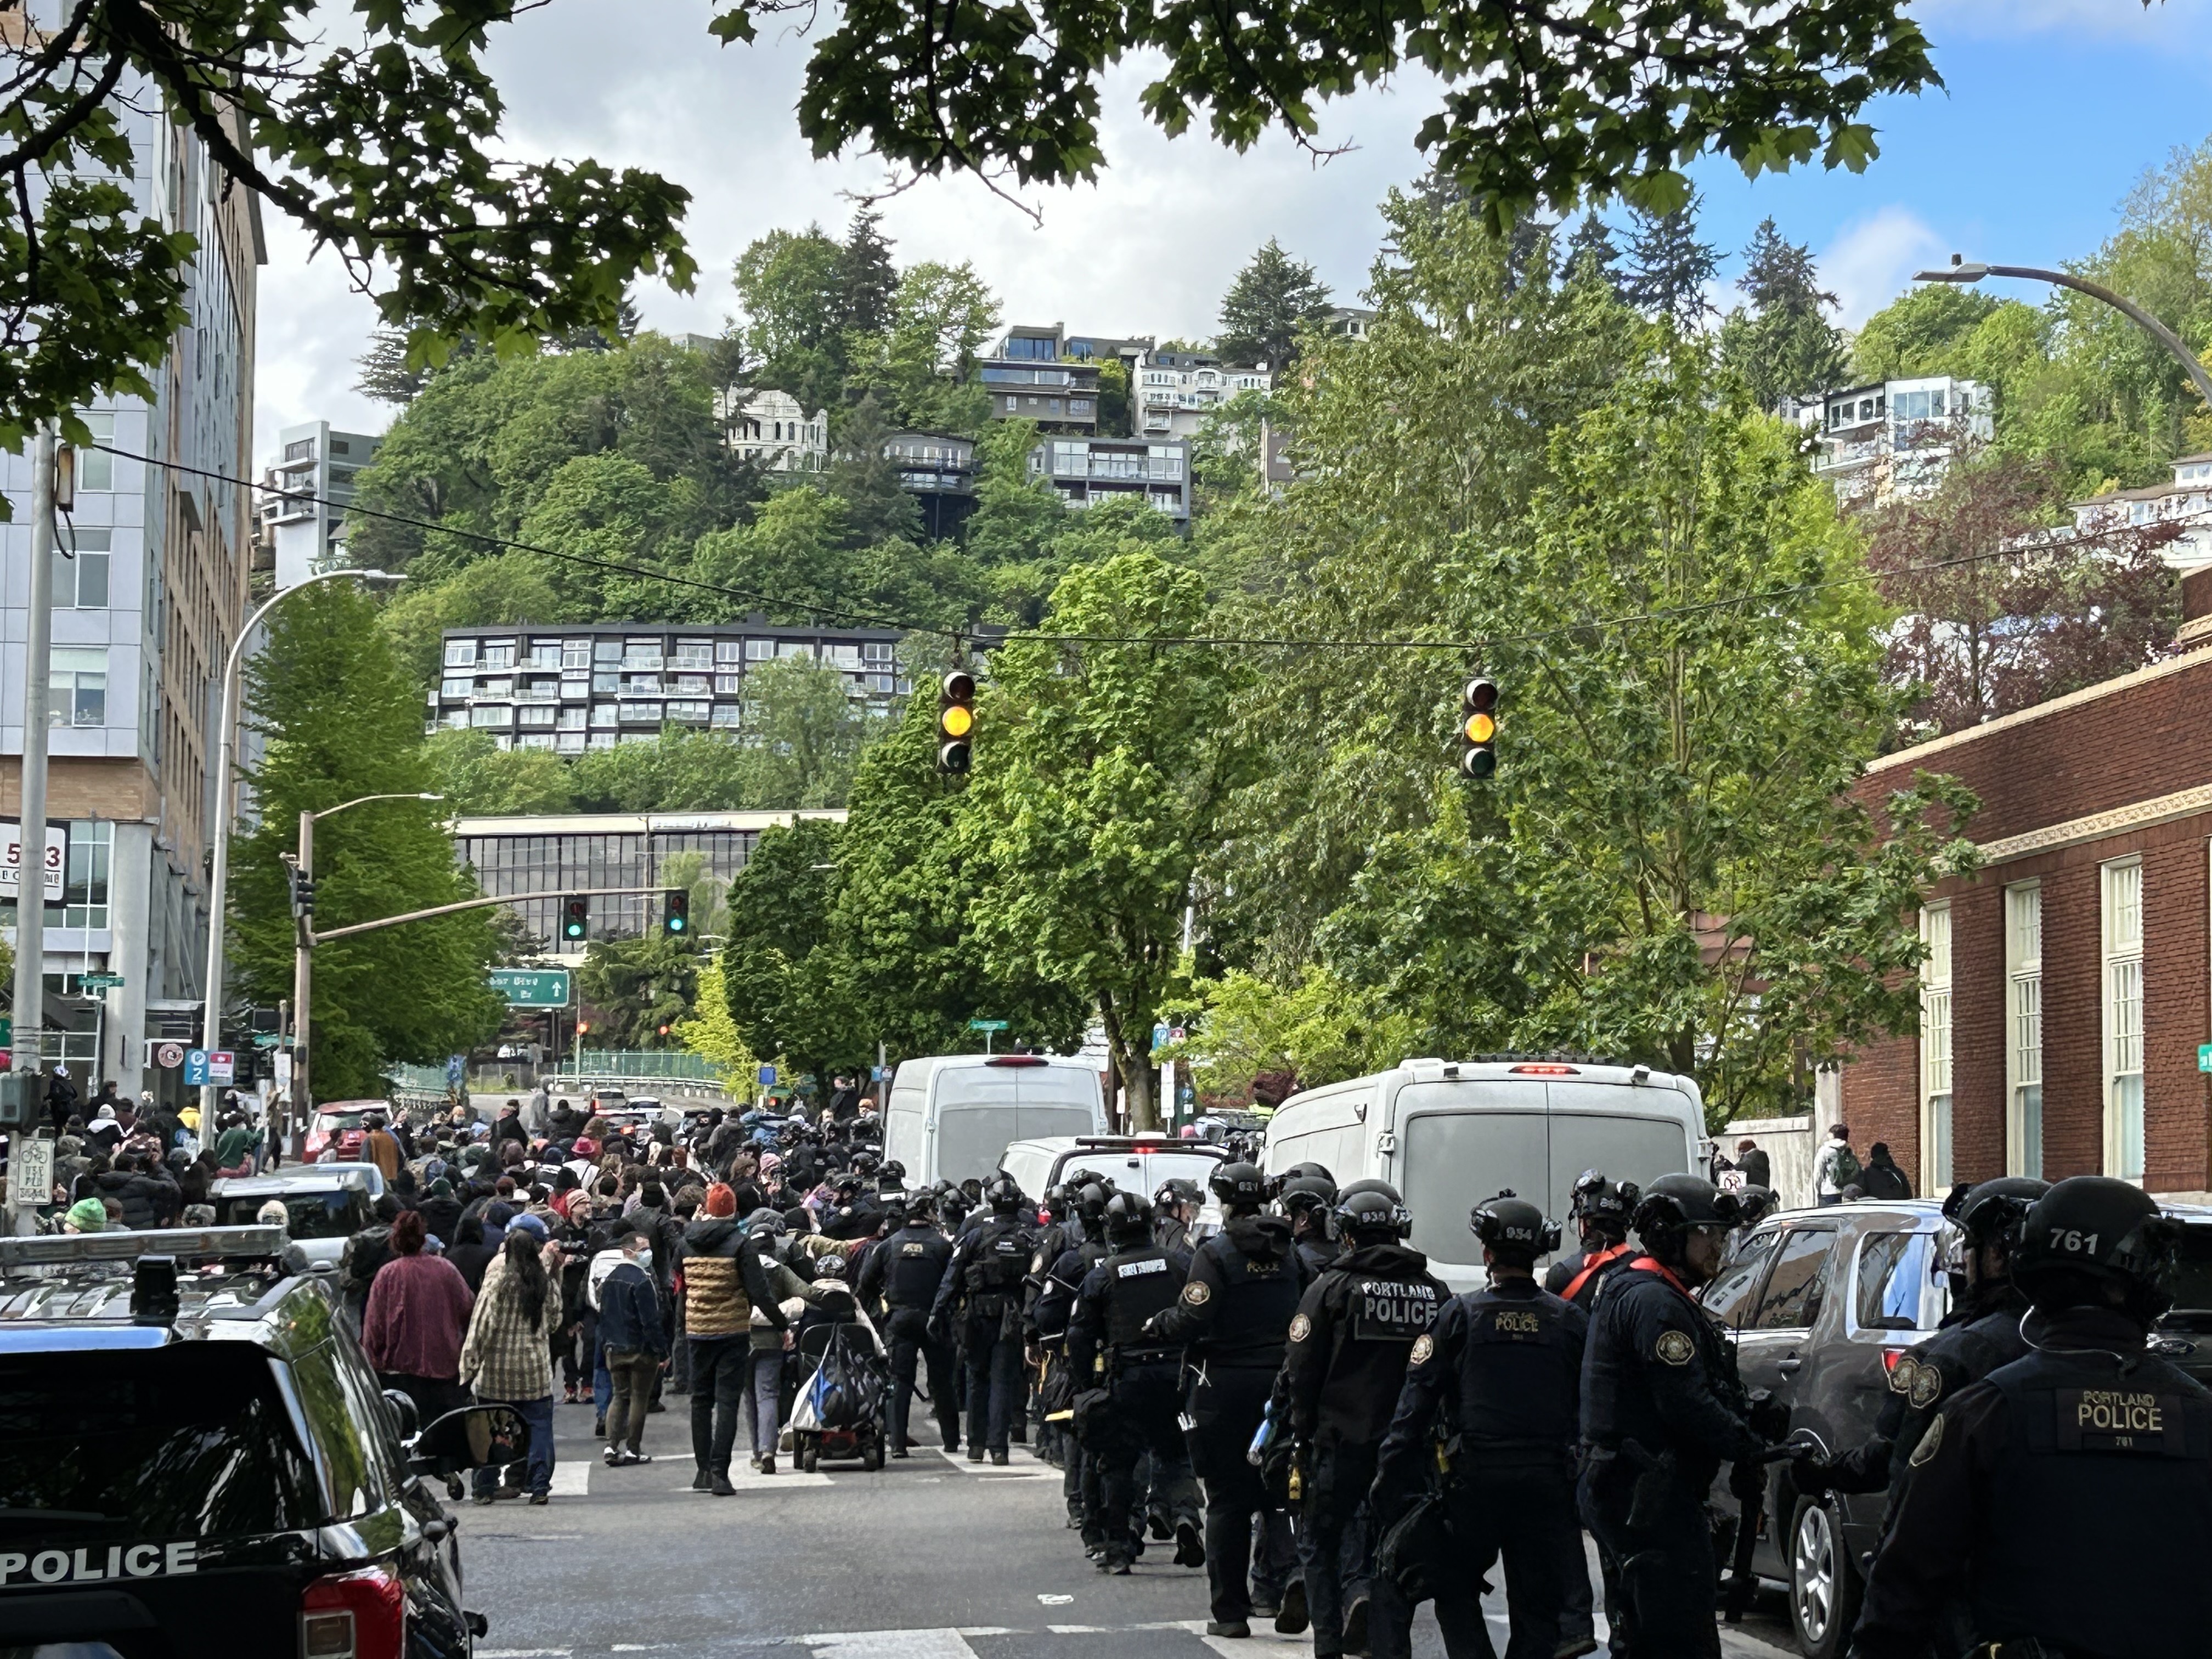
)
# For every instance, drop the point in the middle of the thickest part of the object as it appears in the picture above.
(1086, 471)
(300, 523)
(578, 851)
(148, 601)
(590, 685)
(1052, 342)
(2186, 502)
(1060, 396)
(773, 428)
(2066, 990)
(1894, 438)
(938, 469)
(1176, 390)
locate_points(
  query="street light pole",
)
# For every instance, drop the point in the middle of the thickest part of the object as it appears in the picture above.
(219, 872)
(31, 865)
(1960, 270)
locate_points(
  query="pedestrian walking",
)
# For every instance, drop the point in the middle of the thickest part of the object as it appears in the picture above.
(415, 1321)
(1835, 1168)
(1880, 1177)
(634, 1340)
(722, 1283)
(507, 1358)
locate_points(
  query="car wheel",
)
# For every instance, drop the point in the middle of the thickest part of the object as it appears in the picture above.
(809, 1458)
(1824, 1589)
(872, 1458)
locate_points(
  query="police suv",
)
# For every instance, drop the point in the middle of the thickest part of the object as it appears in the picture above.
(195, 1459)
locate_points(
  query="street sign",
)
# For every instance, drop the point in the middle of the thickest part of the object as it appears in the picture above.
(99, 982)
(11, 859)
(34, 1173)
(1175, 1034)
(532, 987)
(1159, 1038)
(879, 1074)
(169, 1056)
(457, 1067)
(767, 1077)
(206, 1065)
(284, 1073)
(2204, 1056)
(987, 1025)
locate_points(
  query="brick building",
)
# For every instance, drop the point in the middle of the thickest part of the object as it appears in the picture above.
(2069, 981)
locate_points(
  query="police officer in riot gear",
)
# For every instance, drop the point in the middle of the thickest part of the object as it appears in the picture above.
(1350, 1341)
(1504, 1364)
(1106, 1346)
(1244, 1288)
(1981, 1333)
(1053, 1307)
(1663, 1409)
(1308, 1200)
(907, 1269)
(1174, 1206)
(1600, 1212)
(2066, 1498)
(986, 1276)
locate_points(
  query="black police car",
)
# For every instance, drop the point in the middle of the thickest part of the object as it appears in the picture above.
(1821, 1304)
(195, 1459)
(2184, 1335)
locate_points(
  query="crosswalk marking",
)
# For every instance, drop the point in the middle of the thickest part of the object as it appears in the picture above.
(989, 1471)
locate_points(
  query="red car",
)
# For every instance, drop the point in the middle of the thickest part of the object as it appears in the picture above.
(343, 1124)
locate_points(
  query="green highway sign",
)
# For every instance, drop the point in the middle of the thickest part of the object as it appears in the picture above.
(532, 987)
(2204, 1056)
(101, 981)
(987, 1025)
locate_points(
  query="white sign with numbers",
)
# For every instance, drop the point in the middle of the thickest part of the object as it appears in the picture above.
(11, 859)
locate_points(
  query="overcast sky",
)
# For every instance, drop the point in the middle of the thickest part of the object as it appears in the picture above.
(2054, 108)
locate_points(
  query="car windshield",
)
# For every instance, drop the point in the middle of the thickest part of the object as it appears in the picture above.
(332, 1123)
(130, 1448)
(330, 1214)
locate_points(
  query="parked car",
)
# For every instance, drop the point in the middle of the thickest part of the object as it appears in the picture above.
(1135, 1164)
(327, 1205)
(343, 1123)
(236, 1481)
(2184, 1335)
(1821, 1304)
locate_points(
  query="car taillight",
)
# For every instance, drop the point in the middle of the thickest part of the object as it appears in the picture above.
(354, 1615)
(1890, 1356)
(1545, 1070)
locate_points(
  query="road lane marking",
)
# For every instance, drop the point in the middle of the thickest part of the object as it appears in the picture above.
(943, 1643)
(572, 1480)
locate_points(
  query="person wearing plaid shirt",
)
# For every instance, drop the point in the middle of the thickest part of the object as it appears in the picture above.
(507, 1358)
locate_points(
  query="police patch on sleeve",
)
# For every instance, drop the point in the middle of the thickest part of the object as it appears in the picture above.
(1900, 1376)
(1301, 1328)
(1927, 1386)
(1196, 1292)
(1930, 1443)
(1674, 1347)
(1424, 1346)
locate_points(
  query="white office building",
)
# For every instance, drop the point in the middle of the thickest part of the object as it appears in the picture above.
(301, 530)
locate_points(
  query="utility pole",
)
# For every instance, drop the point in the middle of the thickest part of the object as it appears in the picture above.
(301, 1106)
(31, 867)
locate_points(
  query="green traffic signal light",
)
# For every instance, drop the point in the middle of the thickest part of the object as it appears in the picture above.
(575, 919)
(676, 911)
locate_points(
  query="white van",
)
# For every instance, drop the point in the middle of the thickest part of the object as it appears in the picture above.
(1448, 1135)
(951, 1116)
(1142, 1163)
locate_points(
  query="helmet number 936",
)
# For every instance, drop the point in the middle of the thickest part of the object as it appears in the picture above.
(2073, 1241)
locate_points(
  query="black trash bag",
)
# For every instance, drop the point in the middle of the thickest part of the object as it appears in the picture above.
(845, 1389)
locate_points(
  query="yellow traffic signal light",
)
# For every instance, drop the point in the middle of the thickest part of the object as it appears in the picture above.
(956, 721)
(1478, 728)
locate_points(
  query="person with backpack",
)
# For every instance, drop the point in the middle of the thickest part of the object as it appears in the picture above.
(1835, 1168)
(1881, 1178)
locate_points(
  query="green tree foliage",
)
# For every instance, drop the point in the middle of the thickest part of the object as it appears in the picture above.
(476, 777)
(506, 588)
(866, 277)
(1920, 332)
(632, 988)
(791, 286)
(1541, 104)
(1104, 777)
(1259, 1043)
(710, 1032)
(785, 979)
(1782, 345)
(1273, 297)
(922, 368)
(343, 720)
(1667, 267)
(1591, 253)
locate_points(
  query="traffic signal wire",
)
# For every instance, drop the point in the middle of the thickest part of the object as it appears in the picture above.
(975, 636)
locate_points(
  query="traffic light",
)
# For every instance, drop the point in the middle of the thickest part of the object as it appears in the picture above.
(676, 911)
(22, 1100)
(303, 892)
(1478, 729)
(575, 919)
(956, 721)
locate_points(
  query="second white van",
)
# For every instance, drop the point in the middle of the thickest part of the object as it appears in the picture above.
(1448, 1134)
(951, 1116)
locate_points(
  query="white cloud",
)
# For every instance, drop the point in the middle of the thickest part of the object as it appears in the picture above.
(1146, 249)
(1872, 262)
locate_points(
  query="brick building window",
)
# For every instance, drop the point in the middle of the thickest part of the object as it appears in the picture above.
(1936, 1049)
(2024, 1029)
(2123, 1019)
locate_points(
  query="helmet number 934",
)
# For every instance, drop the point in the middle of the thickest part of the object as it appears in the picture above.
(2073, 1241)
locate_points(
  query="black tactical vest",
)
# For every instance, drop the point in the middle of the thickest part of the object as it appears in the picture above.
(2105, 1484)
(1143, 1282)
(1383, 1310)
(1520, 1375)
(1257, 1299)
(1000, 1261)
(916, 1268)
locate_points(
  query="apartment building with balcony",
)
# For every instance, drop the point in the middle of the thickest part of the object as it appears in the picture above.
(2183, 501)
(150, 578)
(300, 516)
(592, 685)
(1087, 470)
(1176, 391)
(1060, 396)
(773, 428)
(1051, 343)
(1896, 438)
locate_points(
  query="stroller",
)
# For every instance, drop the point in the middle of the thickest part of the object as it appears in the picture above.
(839, 1410)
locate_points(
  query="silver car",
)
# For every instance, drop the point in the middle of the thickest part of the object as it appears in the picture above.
(326, 1205)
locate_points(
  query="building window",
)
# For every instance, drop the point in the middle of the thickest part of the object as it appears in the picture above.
(461, 653)
(76, 691)
(545, 653)
(575, 653)
(727, 714)
(729, 684)
(800, 648)
(80, 577)
(495, 715)
(456, 685)
(534, 740)
(91, 854)
(1936, 1049)
(542, 688)
(568, 742)
(606, 680)
(1078, 405)
(2123, 1019)
(2024, 1029)
(641, 714)
(695, 653)
(499, 653)
(641, 653)
(640, 682)
(603, 713)
(501, 686)
(691, 686)
(538, 716)
(691, 714)
(96, 468)
(299, 449)
(760, 650)
(570, 718)
(606, 650)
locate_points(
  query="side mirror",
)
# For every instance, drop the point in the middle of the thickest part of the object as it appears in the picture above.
(474, 1438)
(403, 1409)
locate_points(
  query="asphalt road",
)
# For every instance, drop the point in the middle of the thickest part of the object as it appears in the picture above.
(932, 1559)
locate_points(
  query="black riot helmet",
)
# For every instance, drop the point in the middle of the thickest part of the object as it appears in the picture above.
(1514, 1230)
(1753, 1204)
(1302, 1194)
(1602, 1208)
(2093, 1240)
(921, 1206)
(1003, 1196)
(1127, 1218)
(1367, 1216)
(1056, 1200)
(1176, 1189)
(1977, 1215)
(1091, 1202)
(865, 1162)
(1239, 1186)
(891, 1170)
(1370, 1185)
(1674, 1207)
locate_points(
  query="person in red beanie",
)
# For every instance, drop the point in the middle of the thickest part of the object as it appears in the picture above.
(721, 1283)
